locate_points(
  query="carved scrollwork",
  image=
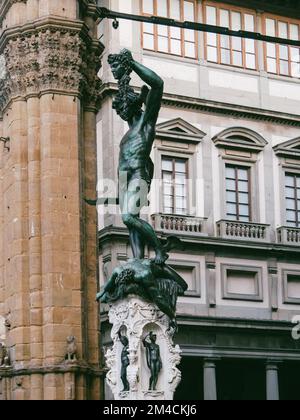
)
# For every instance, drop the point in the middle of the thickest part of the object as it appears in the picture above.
(137, 316)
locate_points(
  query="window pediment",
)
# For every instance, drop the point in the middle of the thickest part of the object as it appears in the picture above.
(289, 149)
(179, 130)
(240, 138)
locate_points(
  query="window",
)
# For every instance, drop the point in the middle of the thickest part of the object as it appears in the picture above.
(237, 193)
(164, 39)
(292, 196)
(228, 50)
(282, 59)
(174, 176)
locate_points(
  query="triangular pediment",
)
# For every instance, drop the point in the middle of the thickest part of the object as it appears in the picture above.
(179, 130)
(290, 148)
(240, 138)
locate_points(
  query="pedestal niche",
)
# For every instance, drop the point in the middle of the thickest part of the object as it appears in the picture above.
(141, 322)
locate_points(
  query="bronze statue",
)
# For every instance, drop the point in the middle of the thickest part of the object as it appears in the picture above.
(135, 165)
(154, 362)
(124, 361)
(153, 279)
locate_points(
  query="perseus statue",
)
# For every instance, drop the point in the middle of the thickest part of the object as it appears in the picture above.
(136, 168)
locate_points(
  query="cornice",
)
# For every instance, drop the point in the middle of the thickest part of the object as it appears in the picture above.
(214, 107)
(112, 233)
(222, 324)
(235, 323)
(179, 130)
(288, 149)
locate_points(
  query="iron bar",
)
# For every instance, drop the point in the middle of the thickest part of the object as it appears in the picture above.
(105, 13)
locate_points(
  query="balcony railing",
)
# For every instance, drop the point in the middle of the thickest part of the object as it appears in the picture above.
(288, 235)
(177, 224)
(226, 229)
(243, 231)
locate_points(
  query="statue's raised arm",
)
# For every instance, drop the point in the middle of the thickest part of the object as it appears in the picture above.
(154, 97)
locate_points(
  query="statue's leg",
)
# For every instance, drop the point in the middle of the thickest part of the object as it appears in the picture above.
(136, 241)
(137, 244)
(150, 383)
(145, 231)
(155, 375)
(148, 234)
(124, 379)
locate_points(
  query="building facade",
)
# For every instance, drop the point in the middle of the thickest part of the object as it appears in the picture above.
(227, 182)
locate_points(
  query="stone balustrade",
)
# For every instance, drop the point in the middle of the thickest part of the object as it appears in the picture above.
(226, 229)
(174, 223)
(243, 231)
(288, 235)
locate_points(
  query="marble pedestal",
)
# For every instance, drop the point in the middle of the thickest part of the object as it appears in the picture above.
(136, 318)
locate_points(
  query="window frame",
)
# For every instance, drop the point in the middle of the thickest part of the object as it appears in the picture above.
(226, 295)
(244, 154)
(278, 19)
(162, 149)
(287, 163)
(297, 210)
(285, 273)
(174, 158)
(243, 11)
(196, 267)
(179, 139)
(236, 167)
(182, 38)
(249, 162)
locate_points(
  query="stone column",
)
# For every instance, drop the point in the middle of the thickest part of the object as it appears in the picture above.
(210, 381)
(272, 381)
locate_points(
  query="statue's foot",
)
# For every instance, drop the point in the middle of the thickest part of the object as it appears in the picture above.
(161, 257)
